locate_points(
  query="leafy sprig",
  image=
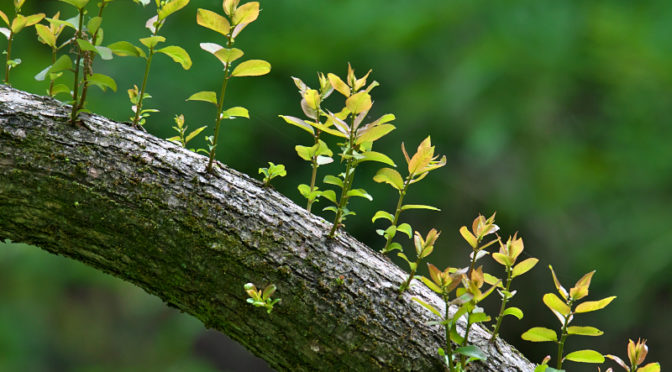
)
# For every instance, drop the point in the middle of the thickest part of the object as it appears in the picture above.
(261, 298)
(49, 35)
(636, 354)
(564, 309)
(16, 25)
(422, 162)
(182, 137)
(273, 171)
(151, 43)
(358, 139)
(507, 257)
(230, 25)
(423, 248)
(319, 153)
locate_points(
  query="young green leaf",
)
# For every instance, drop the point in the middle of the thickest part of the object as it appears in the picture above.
(213, 21)
(237, 111)
(103, 82)
(205, 96)
(152, 41)
(178, 55)
(524, 266)
(391, 177)
(585, 356)
(253, 67)
(419, 206)
(513, 311)
(359, 102)
(584, 331)
(539, 334)
(171, 7)
(79, 4)
(382, 214)
(588, 306)
(126, 49)
(246, 13)
(556, 304)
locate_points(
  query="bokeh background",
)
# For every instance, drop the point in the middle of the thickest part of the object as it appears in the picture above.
(556, 115)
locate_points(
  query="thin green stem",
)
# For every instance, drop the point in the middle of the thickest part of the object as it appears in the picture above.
(313, 176)
(220, 108)
(563, 337)
(449, 345)
(141, 97)
(9, 54)
(349, 177)
(503, 307)
(397, 212)
(88, 69)
(75, 86)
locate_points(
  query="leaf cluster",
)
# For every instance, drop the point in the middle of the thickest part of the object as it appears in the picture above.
(261, 298)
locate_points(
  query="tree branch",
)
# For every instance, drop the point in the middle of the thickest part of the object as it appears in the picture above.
(144, 210)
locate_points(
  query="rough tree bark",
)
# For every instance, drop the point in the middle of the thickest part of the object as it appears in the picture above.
(143, 209)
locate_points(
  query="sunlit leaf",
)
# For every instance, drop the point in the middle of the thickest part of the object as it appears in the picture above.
(213, 21)
(650, 367)
(539, 334)
(359, 193)
(580, 289)
(103, 82)
(469, 237)
(45, 34)
(227, 55)
(359, 102)
(4, 17)
(588, 306)
(523, 267)
(377, 157)
(236, 112)
(332, 180)
(194, 133)
(178, 55)
(513, 311)
(406, 229)
(390, 176)
(585, 356)
(558, 286)
(246, 13)
(171, 7)
(382, 214)
(370, 134)
(299, 123)
(205, 96)
(428, 307)
(124, 49)
(152, 41)
(253, 67)
(584, 331)
(338, 84)
(556, 304)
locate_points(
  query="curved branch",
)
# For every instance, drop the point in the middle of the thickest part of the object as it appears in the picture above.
(144, 210)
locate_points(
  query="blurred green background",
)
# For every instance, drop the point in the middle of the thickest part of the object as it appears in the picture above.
(554, 114)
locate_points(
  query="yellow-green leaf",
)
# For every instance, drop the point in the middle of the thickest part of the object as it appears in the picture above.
(178, 55)
(651, 367)
(194, 133)
(580, 289)
(253, 67)
(3, 16)
(556, 304)
(45, 34)
(359, 102)
(513, 311)
(378, 157)
(469, 237)
(585, 356)
(246, 13)
(382, 214)
(237, 111)
(372, 133)
(230, 6)
(338, 84)
(103, 82)
(171, 7)
(152, 41)
(298, 122)
(205, 96)
(524, 266)
(558, 286)
(428, 306)
(124, 49)
(389, 176)
(584, 331)
(539, 334)
(213, 21)
(227, 55)
(419, 206)
(589, 306)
